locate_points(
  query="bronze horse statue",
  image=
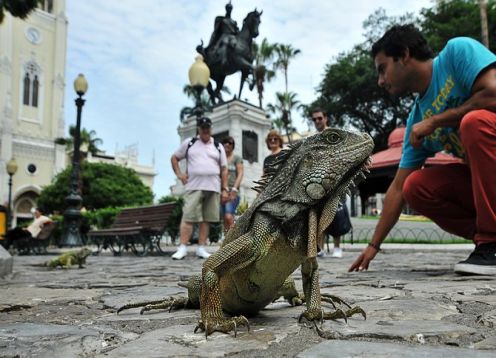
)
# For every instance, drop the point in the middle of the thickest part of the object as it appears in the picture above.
(232, 53)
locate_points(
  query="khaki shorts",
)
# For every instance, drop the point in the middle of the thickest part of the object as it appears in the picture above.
(201, 206)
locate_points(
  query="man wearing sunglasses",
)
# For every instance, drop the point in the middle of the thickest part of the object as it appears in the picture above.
(321, 122)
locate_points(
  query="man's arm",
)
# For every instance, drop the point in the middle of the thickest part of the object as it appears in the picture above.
(175, 167)
(224, 189)
(393, 204)
(483, 97)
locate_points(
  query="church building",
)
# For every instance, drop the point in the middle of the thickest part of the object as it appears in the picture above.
(32, 82)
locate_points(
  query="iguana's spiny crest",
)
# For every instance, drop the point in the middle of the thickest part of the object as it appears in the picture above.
(318, 166)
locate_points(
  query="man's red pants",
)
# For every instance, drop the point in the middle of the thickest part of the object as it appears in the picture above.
(461, 198)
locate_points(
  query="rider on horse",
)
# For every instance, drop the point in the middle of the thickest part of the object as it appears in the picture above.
(223, 37)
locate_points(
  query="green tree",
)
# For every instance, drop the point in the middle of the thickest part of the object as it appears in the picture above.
(17, 8)
(349, 90)
(264, 57)
(103, 185)
(456, 18)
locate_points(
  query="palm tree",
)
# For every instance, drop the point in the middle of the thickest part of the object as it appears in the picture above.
(87, 137)
(285, 103)
(190, 92)
(285, 53)
(264, 55)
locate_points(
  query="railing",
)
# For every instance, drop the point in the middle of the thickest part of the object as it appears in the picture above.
(405, 235)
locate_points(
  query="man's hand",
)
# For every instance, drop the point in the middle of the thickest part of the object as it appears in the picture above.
(183, 178)
(224, 197)
(362, 262)
(420, 131)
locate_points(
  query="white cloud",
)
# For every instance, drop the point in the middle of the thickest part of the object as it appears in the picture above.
(136, 54)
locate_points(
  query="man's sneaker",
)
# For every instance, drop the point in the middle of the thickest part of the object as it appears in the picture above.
(181, 252)
(337, 252)
(201, 252)
(321, 253)
(482, 261)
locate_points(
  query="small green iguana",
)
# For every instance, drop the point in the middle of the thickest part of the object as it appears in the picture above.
(280, 231)
(70, 258)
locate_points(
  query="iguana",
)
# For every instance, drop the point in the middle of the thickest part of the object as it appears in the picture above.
(280, 231)
(70, 258)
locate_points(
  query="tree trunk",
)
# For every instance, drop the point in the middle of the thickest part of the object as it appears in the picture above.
(483, 19)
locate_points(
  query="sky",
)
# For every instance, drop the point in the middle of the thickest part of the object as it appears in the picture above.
(135, 56)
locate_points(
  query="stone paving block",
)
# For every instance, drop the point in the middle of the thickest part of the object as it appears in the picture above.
(407, 309)
(416, 331)
(6, 262)
(180, 341)
(345, 349)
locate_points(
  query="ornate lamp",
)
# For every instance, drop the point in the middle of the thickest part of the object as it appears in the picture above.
(11, 170)
(72, 215)
(199, 76)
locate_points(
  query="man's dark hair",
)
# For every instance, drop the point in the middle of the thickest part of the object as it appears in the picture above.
(401, 37)
(318, 109)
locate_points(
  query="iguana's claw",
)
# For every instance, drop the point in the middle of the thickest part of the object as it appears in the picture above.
(222, 324)
(315, 315)
(171, 304)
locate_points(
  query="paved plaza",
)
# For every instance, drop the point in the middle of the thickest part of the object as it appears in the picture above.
(415, 304)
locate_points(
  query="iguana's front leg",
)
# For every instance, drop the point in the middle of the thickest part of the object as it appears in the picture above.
(68, 262)
(233, 256)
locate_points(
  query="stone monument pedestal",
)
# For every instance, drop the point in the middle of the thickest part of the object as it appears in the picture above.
(249, 126)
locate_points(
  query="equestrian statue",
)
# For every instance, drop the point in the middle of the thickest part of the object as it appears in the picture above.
(230, 50)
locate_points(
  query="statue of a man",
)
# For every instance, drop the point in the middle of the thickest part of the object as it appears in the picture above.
(225, 30)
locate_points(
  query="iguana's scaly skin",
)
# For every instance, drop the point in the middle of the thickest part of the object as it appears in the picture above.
(70, 258)
(280, 231)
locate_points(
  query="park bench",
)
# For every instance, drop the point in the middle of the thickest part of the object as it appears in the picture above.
(137, 229)
(36, 245)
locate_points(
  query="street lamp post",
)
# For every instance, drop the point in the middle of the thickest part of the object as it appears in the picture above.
(72, 215)
(11, 170)
(199, 76)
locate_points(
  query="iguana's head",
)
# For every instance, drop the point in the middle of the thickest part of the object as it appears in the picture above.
(323, 166)
(84, 252)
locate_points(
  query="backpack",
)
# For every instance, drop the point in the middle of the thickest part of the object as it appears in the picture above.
(193, 141)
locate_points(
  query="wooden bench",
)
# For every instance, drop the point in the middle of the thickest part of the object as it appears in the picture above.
(138, 229)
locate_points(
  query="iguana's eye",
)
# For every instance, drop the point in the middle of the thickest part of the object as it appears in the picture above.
(333, 137)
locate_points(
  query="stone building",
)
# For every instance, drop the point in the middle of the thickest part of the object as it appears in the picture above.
(32, 82)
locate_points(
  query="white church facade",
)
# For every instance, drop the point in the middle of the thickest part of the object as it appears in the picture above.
(32, 84)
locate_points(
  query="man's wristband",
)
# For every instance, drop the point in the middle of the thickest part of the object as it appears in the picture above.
(234, 189)
(225, 189)
(375, 246)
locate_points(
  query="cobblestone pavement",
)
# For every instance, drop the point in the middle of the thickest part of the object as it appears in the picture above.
(415, 304)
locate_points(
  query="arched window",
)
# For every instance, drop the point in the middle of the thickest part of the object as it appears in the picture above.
(31, 85)
(27, 86)
(36, 85)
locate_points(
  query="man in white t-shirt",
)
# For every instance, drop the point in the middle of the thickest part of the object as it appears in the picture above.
(32, 231)
(206, 184)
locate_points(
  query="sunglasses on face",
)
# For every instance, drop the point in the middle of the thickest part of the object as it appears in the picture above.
(273, 139)
(315, 119)
(231, 143)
